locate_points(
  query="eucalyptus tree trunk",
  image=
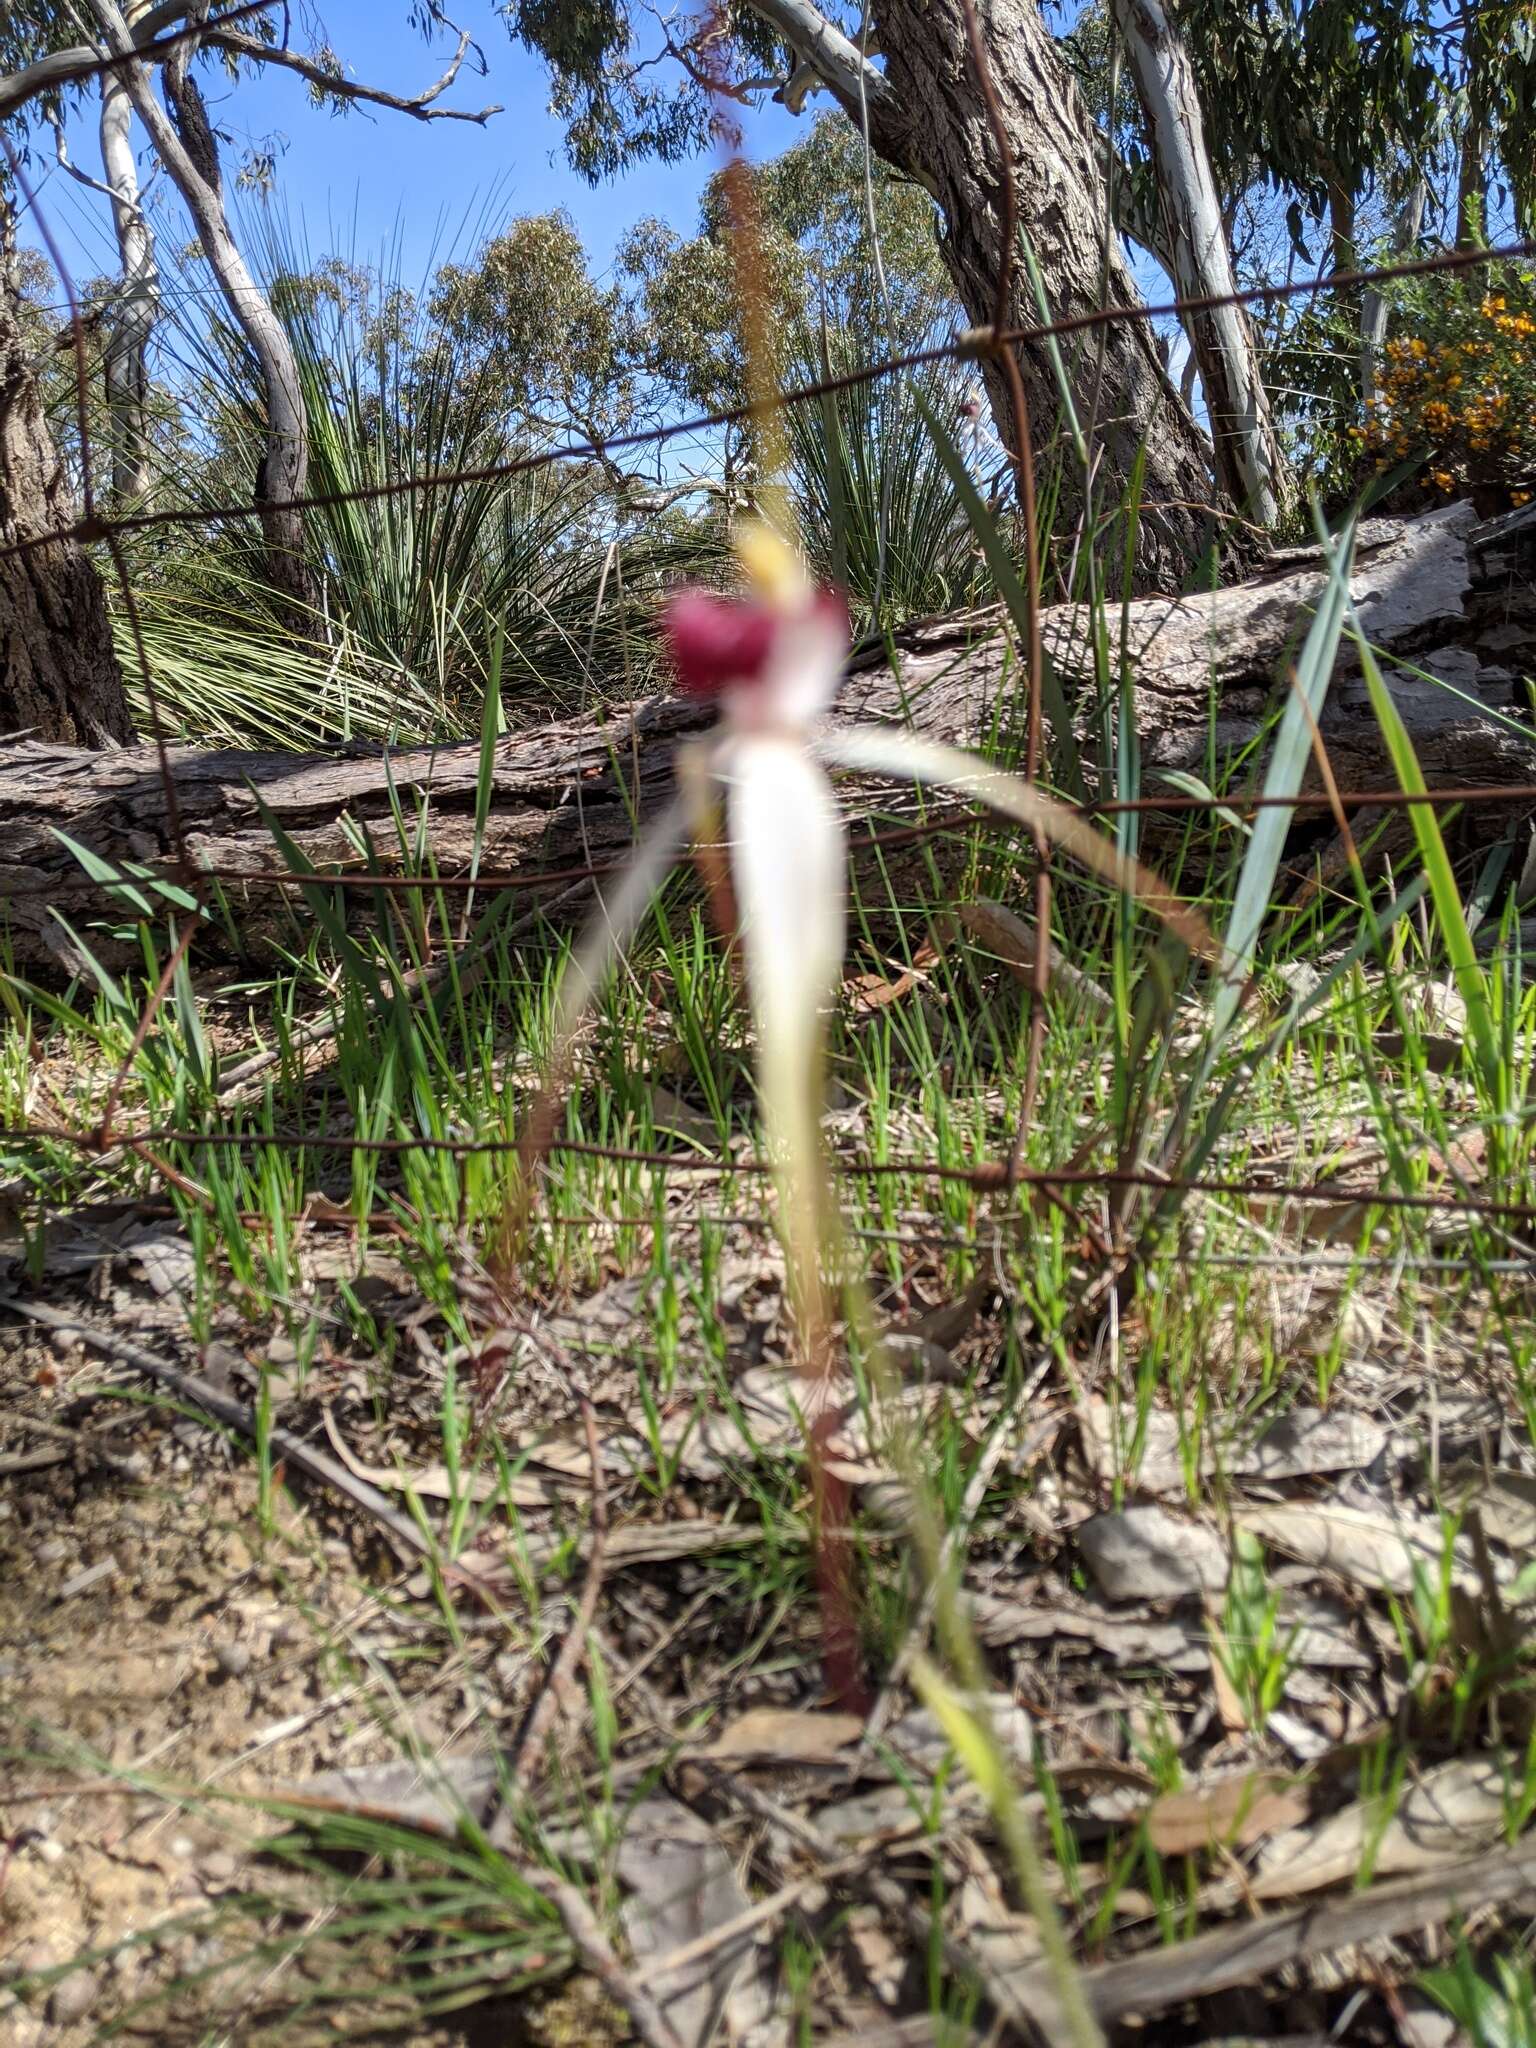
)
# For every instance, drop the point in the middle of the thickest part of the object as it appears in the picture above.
(932, 123)
(1249, 464)
(188, 151)
(137, 306)
(59, 678)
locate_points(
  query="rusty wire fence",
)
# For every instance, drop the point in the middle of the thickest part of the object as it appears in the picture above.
(107, 1139)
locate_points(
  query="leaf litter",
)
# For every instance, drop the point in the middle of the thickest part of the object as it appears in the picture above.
(1100, 1617)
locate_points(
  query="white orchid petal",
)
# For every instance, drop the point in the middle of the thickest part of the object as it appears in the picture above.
(804, 670)
(876, 750)
(789, 870)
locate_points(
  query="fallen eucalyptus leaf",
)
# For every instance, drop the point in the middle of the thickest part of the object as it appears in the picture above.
(1384, 1553)
(1230, 1814)
(1003, 932)
(1146, 1554)
(785, 1735)
(683, 1888)
(1296, 1445)
(1504, 1499)
(1449, 1813)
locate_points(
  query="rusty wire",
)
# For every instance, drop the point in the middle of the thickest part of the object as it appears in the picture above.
(968, 346)
(513, 880)
(984, 1177)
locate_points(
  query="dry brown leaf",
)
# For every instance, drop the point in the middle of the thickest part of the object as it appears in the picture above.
(672, 1117)
(999, 1619)
(1003, 932)
(435, 1793)
(874, 992)
(1464, 1158)
(785, 1735)
(683, 1890)
(1231, 1813)
(1449, 1813)
(1387, 1553)
(1504, 1499)
(1296, 1445)
(1441, 1054)
(1322, 1222)
(1147, 1554)
(1229, 1701)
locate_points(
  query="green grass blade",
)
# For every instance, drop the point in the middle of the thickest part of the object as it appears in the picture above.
(1287, 766)
(1450, 913)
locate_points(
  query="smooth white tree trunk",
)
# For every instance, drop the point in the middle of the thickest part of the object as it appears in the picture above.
(1248, 458)
(287, 457)
(137, 306)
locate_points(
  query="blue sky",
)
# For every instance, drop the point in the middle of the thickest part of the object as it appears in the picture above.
(353, 180)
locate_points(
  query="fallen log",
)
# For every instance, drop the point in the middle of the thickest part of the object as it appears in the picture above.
(1438, 594)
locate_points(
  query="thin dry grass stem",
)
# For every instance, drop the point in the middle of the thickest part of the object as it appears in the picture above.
(1330, 785)
(808, 1220)
(1023, 459)
(759, 350)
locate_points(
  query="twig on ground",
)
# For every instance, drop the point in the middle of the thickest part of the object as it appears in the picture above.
(71, 1443)
(1255, 1949)
(233, 1414)
(595, 1951)
(563, 1670)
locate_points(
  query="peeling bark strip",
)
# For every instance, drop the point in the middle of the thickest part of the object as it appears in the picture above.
(1454, 599)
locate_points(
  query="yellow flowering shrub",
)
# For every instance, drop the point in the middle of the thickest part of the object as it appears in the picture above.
(1457, 381)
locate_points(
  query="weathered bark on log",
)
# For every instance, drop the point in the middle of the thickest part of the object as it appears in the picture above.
(1438, 592)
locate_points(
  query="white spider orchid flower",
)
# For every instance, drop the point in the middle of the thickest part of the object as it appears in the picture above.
(772, 660)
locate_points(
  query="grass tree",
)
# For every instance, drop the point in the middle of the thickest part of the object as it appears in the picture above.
(162, 43)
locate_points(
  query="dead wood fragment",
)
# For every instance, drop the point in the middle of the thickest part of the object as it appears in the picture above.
(1435, 593)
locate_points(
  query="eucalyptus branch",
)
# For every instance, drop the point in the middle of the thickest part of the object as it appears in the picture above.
(335, 86)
